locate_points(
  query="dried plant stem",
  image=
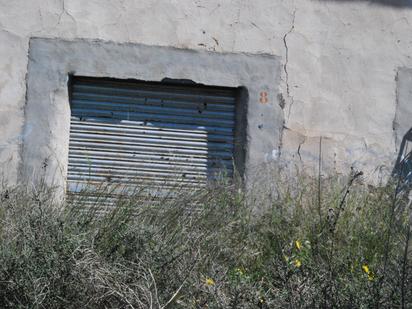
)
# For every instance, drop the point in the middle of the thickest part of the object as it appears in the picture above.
(390, 223)
(405, 260)
(320, 180)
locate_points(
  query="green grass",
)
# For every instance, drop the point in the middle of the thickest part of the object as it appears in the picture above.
(217, 247)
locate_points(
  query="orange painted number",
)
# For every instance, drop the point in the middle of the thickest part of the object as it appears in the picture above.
(263, 97)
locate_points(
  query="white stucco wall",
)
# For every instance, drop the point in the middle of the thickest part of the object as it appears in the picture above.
(340, 61)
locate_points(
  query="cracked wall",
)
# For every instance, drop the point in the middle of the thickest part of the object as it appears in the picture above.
(340, 61)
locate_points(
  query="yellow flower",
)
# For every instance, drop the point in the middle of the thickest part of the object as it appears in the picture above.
(239, 271)
(298, 244)
(365, 268)
(261, 300)
(297, 263)
(210, 282)
(367, 271)
(286, 258)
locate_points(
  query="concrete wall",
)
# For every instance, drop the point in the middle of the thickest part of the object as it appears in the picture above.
(340, 59)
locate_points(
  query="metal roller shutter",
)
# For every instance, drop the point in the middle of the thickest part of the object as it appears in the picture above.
(127, 132)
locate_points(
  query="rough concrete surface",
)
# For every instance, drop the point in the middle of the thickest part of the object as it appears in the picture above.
(339, 62)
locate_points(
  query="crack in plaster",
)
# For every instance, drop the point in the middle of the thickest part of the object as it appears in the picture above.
(41, 17)
(42, 27)
(285, 69)
(300, 145)
(336, 16)
(9, 32)
(365, 143)
(64, 11)
(124, 8)
(24, 127)
(215, 9)
(395, 124)
(236, 23)
(285, 66)
(267, 37)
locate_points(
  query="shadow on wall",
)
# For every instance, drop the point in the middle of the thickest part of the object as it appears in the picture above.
(403, 166)
(393, 3)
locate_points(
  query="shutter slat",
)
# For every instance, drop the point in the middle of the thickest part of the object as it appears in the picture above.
(93, 98)
(152, 133)
(154, 140)
(149, 117)
(139, 90)
(172, 162)
(86, 152)
(138, 125)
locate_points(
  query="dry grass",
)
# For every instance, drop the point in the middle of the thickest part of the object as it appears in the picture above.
(209, 248)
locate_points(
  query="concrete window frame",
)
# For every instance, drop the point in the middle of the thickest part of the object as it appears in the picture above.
(44, 153)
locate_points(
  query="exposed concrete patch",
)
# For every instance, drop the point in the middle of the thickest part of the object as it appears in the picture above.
(47, 117)
(301, 150)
